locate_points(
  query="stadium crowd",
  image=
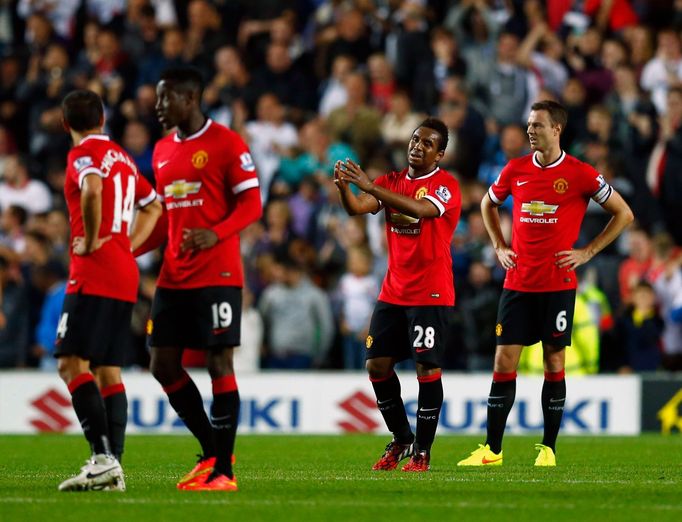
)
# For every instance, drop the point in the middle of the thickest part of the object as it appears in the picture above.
(310, 82)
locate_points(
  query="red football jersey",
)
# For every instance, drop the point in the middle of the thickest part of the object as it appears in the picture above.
(110, 271)
(419, 260)
(199, 178)
(549, 207)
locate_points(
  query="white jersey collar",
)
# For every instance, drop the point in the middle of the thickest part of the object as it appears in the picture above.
(198, 133)
(555, 163)
(407, 175)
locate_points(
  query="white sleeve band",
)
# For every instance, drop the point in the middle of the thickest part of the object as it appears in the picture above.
(147, 200)
(495, 199)
(603, 194)
(245, 185)
(438, 204)
(87, 172)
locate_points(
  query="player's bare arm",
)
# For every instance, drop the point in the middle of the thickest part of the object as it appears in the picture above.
(353, 204)
(491, 219)
(198, 239)
(418, 208)
(91, 207)
(144, 224)
(622, 217)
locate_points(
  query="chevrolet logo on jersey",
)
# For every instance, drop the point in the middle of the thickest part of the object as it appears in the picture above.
(403, 219)
(181, 188)
(538, 208)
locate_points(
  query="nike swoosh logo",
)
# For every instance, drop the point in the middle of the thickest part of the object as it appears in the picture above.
(162, 164)
(557, 400)
(486, 461)
(496, 396)
(91, 475)
(420, 350)
(557, 334)
(519, 183)
(383, 402)
(220, 330)
(428, 409)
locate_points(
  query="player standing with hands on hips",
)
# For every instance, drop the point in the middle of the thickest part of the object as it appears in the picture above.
(413, 313)
(103, 187)
(551, 191)
(209, 185)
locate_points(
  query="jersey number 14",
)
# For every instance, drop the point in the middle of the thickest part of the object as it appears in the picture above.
(123, 206)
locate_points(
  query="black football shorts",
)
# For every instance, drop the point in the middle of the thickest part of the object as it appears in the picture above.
(96, 329)
(207, 317)
(528, 317)
(403, 332)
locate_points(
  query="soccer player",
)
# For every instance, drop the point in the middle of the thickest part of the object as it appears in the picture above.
(208, 181)
(550, 191)
(102, 188)
(422, 204)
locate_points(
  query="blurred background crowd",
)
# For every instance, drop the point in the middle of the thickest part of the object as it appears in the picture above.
(308, 82)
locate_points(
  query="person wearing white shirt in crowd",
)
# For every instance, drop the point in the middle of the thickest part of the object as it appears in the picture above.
(17, 188)
(269, 136)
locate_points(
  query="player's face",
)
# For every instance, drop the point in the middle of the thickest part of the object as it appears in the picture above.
(172, 107)
(541, 132)
(422, 151)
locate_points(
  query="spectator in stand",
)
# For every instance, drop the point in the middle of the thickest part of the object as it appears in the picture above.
(51, 279)
(333, 92)
(542, 51)
(13, 318)
(467, 129)
(17, 188)
(398, 124)
(665, 178)
(357, 292)
(137, 142)
(638, 332)
(638, 263)
(298, 320)
(269, 137)
(444, 61)
(156, 60)
(477, 298)
(382, 83)
(664, 70)
(12, 223)
(230, 84)
(317, 156)
(502, 89)
(356, 123)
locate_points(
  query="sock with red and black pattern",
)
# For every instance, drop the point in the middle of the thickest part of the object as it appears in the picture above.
(89, 408)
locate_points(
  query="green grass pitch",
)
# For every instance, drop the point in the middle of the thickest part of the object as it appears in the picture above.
(328, 478)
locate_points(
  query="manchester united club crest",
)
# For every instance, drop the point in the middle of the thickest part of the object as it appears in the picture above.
(498, 329)
(200, 159)
(421, 192)
(369, 341)
(560, 185)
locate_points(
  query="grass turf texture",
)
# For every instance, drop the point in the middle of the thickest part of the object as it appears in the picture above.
(328, 478)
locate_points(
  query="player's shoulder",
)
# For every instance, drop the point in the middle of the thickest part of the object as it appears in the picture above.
(521, 162)
(445, 176)
(577, 164)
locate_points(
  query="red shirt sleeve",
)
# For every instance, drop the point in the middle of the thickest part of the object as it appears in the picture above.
(445, 195)
(144, 193)
(499, 190)
(241, 170)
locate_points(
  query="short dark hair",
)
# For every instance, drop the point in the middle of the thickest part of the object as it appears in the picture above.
(557, 112)
(82, 110)
(184, 79)
(440, 128)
